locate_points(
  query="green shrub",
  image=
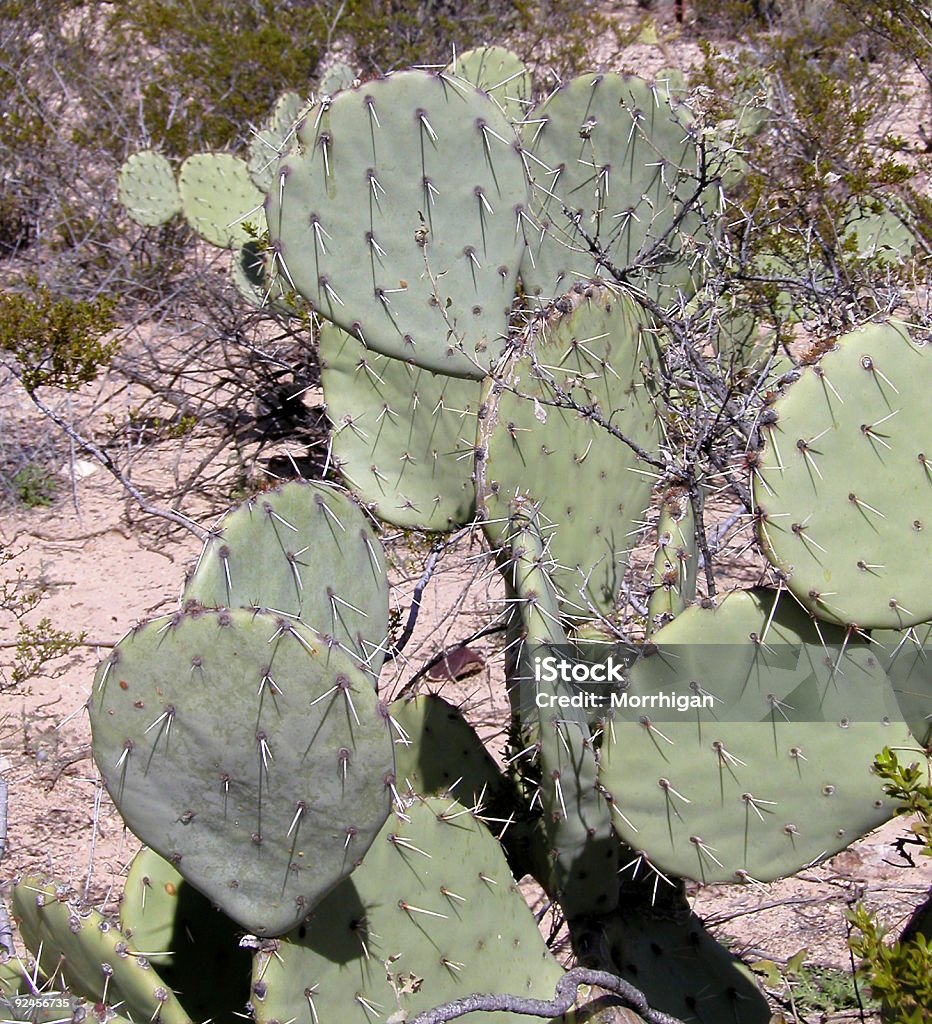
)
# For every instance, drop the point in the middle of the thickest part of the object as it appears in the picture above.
(56, 342)
(34, 646)
(900, 973)
(220, 67)
(34, 485)
(822, 89)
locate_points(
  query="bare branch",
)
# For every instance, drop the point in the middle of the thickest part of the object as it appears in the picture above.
(564, 997)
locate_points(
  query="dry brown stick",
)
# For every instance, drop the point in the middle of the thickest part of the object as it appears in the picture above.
(563, 998)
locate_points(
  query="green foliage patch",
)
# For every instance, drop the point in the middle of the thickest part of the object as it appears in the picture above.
(56, 341)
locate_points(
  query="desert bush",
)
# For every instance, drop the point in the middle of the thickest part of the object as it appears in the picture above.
(56, 342)
(899, 972)
(36, 644)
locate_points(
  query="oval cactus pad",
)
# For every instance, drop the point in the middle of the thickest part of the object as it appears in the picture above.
(394, 214)
(264, 812)
(844, 483)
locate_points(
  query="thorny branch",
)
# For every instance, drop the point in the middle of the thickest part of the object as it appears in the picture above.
(435, 552)
(108, 463)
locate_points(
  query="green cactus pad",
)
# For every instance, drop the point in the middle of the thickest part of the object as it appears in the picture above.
(776, 774)
(844, 484)
(251, 271)
(438, 752)
(219, 198)
(683, 971)
(498, 72)
(906, 657)
(263, 810)
(13, 978)
(267, 144)
(304, 550)
(676, 559)
(91, 955)
(887, 237)
(590, 486)
(403, 437)
(577, 825)
(147, 189)
(431, 914)
(620, 157)
(194, 946)
(395, 216)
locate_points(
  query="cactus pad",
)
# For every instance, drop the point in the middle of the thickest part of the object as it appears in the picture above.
(267, 144)
(844, 484)
(219, 198)
(440, 753)
(194, 946)
(337, 77)
(683, 971)
(431, 914)
(403, 437)
(252, 273)
(777, 773)
(262, 811)
(676, 559)
(91, 955)
(498, 72)
(56, 1008)
(304, 550)
(394, 214)
(581, 847)
(610, 157)
(590, 485)
(906, 657)
(147, 189)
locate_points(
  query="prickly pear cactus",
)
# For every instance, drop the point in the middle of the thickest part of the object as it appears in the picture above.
(337, 77)
(403, 437)
(13, 980)
(394, 215)
(219, 199)
(147, 188)
(249, 752)
(498, 72)
(844, 483)
(683, 971)
(52, 1007)
(268, 553)
(438, 752)
(252, 273)
(267, 144)
(92, 957)
(906, 657)
(613, 162)
(431, 914)
(577, 825)
(676, 559)
(544, 435)
(194, 946)
(775, 773)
